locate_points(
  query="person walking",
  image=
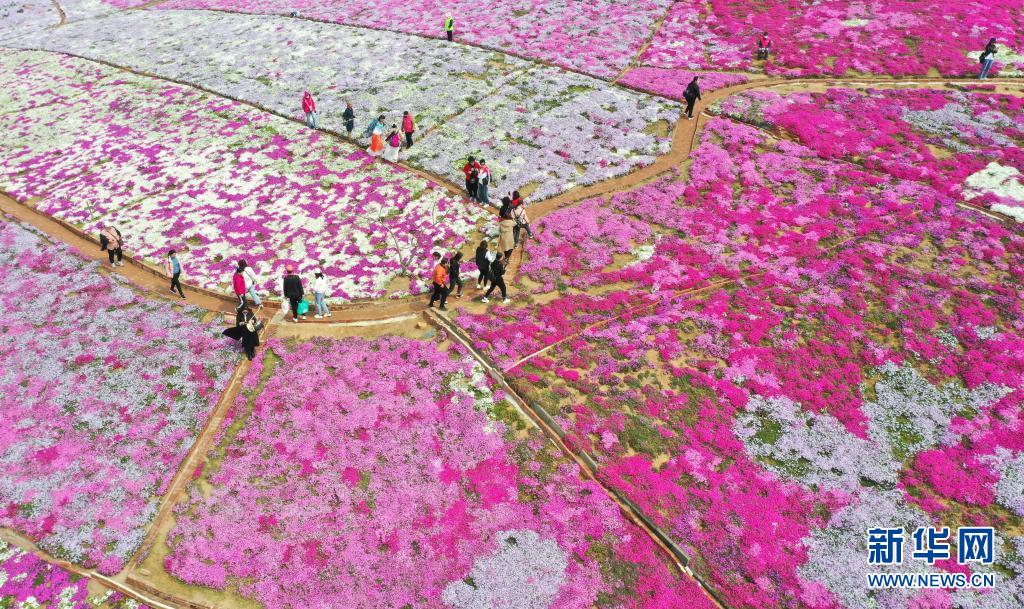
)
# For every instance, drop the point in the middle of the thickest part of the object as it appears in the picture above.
(449, 26)
(349, 116)
(440, 283)
(408, 127)
(394, 144)
(764, 45)
(112, 242)
(691, 95)
(249, 330)
(470, 170)
(483, 182)
(379, 121)
(319, 294)
(987, 57)
(454, 277)
(376, 132)
(483, 265)
(173, 267)
(309, 107)
(497, 279)
(506, 229)
(522, 223)
(251, 281)
(238, 283)
(293, 292)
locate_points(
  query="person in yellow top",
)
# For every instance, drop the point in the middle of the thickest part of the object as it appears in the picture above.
(440, 282)
(449, 26)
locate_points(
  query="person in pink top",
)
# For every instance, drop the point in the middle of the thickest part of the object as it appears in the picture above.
(309, 107)
(238, 282)
(408, 126)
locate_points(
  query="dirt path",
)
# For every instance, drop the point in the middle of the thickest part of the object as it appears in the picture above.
(195, 458)
(638, 56)
(60, 11)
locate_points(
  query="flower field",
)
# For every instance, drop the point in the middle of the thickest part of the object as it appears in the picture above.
(26, 582)
(103, 393)
(337, 482)
(600, 38)
(963, 144)
(837, 37)
(20, 16)
(541, 129)
(803, 321)
(179, 169)
(796, 279)
(597, 37)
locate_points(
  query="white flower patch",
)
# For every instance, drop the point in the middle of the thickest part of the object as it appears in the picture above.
(642, 254)
(1010, 488)
(814, 448)
(996, 179)
(525, 573)
(539, 127)
(837, 554)
(910, 414)
(1011, 62)
(855, 22)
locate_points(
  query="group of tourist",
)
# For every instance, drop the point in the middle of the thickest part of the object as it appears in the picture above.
(389, 145)
(383, 141)
(446, 279)
(447, 275)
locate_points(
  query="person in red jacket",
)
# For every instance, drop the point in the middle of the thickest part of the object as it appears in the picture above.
(309, 107)
(440, 283)
(408, 127)
(238, 283)
(764, 45)
(471, 171)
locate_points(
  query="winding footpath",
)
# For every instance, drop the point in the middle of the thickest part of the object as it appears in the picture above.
(382, 315)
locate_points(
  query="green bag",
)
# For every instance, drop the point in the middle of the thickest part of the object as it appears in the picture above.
(303, 307)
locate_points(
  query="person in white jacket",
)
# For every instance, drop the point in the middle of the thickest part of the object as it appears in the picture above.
(319, 293)
(251, 279)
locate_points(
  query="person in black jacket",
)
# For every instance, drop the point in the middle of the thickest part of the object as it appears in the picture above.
(691, 95)
(293, 291)
(249, 329)
(483, 265)
(454, 279)
(349, 116)
(987, 57)
(498, 279)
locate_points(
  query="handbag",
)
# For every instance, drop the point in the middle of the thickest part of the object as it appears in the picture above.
(303, 307)
(285, 306)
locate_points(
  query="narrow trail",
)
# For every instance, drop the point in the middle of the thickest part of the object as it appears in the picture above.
(635, 62)
(194, 459)
(60, 11)
(355, 316)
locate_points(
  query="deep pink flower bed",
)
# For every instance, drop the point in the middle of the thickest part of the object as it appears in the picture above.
(836, 36)
(946, 139)
(341, 482)
(103, 393)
